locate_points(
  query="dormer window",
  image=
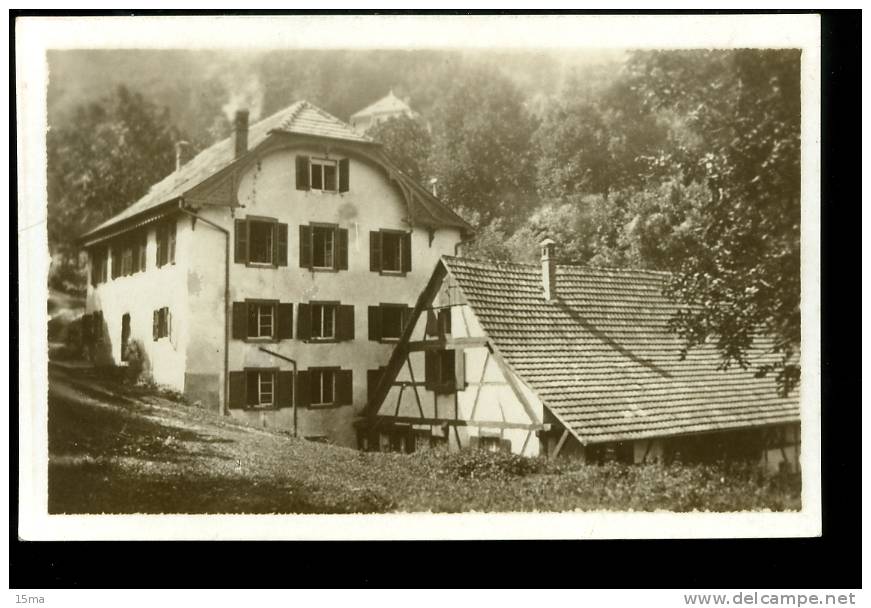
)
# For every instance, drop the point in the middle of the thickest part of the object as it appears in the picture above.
(322, 174)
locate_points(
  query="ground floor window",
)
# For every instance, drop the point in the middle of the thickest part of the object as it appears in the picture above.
(260, 388)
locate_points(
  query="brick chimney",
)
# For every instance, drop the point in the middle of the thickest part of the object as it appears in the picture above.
(240, 133)
(548, 269)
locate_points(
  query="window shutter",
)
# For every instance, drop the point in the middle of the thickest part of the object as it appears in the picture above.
(342, 249)
(171, 239)
(304, 322)
(460, 370)
(431, 362)
(161, 243)
(302, 181)
(281, 254)
(375, 251)
(305, 246)
(374, 322)
(406, 252)
(155, 325)
(285, 321)
(373, 376)
(236, 397)
(241, 242)
(240, 320)
(432, 323)
(344, 387)
(284, 394)
(345, 322)
(344, 174)
(303, 389)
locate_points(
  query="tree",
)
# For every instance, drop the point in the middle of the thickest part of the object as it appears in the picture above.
(102, 161)
(481, 146)
(407, 142)
(743, 280)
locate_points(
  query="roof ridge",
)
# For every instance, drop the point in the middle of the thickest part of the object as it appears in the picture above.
(571, 266)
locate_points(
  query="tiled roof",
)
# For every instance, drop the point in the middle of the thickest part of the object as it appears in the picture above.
(390, 103)
(601, 358)
(301, 117)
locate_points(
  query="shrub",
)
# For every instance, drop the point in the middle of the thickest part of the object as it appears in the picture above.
(483, 464)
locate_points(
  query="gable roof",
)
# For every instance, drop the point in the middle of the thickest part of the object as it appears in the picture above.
(601, 358)
(388, 104)
(301, 118)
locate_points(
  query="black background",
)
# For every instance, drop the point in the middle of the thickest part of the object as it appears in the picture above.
(745, 563)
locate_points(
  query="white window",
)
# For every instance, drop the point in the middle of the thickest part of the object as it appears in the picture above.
(260, 388)
(261, 320)
(323, 321)
(324, 175)
(323, 246)
(323, 386)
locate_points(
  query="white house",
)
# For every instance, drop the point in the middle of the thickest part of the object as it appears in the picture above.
(270, 274)
(385, 108)
(561, 360)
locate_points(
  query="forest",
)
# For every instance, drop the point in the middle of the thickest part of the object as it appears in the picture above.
(683, 161)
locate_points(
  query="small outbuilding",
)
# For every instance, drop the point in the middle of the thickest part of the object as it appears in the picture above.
(560, 360)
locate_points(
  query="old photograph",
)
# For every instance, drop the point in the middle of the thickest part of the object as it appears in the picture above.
(289, 279)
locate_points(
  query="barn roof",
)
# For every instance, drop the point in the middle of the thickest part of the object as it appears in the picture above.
(301, 118)
(601, 358)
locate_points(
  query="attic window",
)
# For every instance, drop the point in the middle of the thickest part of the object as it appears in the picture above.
(322, 174)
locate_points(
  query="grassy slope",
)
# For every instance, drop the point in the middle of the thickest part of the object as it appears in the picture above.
(121, 451)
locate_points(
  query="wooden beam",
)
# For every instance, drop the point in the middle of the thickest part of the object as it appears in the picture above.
(559, 444)
(480, 384)
(414, 387)
(525, 442)
(453, 344)
(515, 388)
(453, 422)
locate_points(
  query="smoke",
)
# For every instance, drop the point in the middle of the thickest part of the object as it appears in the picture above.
(244, 94)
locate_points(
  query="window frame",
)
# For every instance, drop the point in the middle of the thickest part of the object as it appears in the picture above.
(313, 371)
(273, 371)
(259, 302)
(333, 230)
(273, 263)
(322, 162)
(334, 306)
(403, 321)
(399, 234)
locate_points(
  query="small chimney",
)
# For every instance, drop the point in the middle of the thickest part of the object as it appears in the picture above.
(548, 269)
(180, 154)
(240, 133)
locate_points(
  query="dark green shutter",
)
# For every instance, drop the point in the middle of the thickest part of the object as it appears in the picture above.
(345, 322)
(431, 362)
(285, 321)
(406, 252)
(155, 325)
(373, 376)
(304, 322)
(342, 249)
(241, 242)
(374, 322)
(240, 320)
(344, 387)
(303, 389)
(305, 246)
(284, 394)
(375, 251)
(302, 182)
(344, 174)
(236, 396)
(281, 254)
